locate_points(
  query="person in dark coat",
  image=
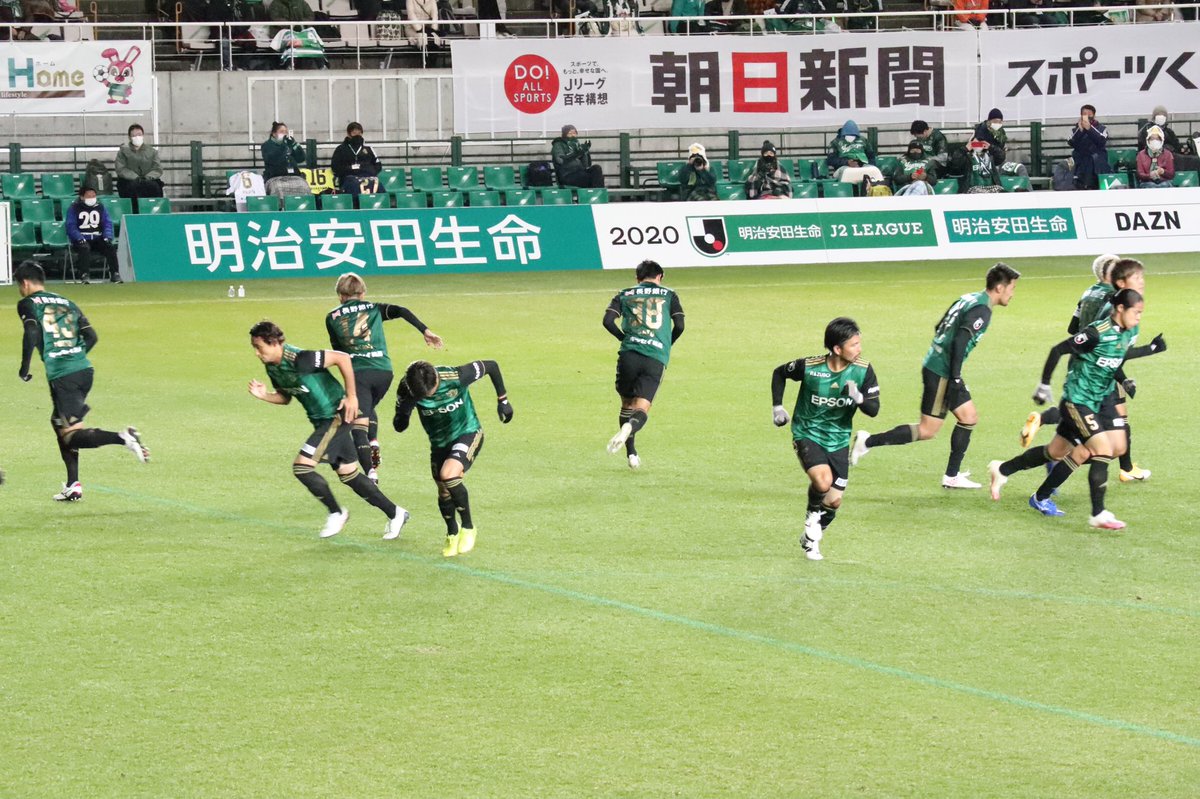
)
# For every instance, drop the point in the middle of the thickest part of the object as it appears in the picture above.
(1089, 148)
(573, 161)
(353, 161)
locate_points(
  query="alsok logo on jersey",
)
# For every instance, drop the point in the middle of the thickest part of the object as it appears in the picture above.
(708, 235)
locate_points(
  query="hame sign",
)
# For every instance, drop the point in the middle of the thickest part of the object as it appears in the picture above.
(75, 77)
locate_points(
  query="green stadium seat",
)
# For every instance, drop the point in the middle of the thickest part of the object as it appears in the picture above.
(805, 190)
(1186, 179)
(393, 181)
(307, 202)
(500, 178)
(59, 186)
(1114, 180)
(520, 197)
(557, 197)
(887, 164)
(38, 211)
(462, 178)
(835, 188)
(946, 186)
(426, 178)
(803, 169)
(446, 199)
(374, 202)
(22, 237)
(117, 207)
(668, 173)
(337, 202)
(412, 199)
(483, 198)
(717, 168)
(731, 191)
(154, 205)
(1015, 183)
(592, 196)
(262, 204)
(55, 242)
(787, 166)
(1122, 158)
(739, 170)
(19, 186)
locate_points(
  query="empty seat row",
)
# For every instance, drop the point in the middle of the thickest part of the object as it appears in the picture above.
(442, 198)
(44, 209)
(23, 185)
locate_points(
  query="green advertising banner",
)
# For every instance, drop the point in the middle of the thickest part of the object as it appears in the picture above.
(311, 243)
(1026, 224)
(823, 230)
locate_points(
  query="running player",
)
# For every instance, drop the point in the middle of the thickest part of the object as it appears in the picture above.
(651, 320)
(832, 388)
(356, 327)
(959, 330)
(63, 336)
(304, 374)
(441, 398)
(1083, 435)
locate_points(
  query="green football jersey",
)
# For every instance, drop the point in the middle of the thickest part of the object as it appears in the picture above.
(302, 374)
(356, 327)
(1093, 305)
(971, 311)
(647, 314)
(1092, 372)
(824, 413)
(61, 347)
(449, 414)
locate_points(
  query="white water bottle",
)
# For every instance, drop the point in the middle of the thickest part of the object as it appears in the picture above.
(231, 292)
(241, 291)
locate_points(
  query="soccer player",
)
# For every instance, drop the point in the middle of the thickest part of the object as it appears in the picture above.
(304, 374)
(832, 388)
(651, 320)
(441, 398)
(356, 327)
(1083, 435)
(63, 337)
(959, 330)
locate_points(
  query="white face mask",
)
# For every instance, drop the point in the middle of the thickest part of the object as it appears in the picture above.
(995, 125)
(89, 201)
(1153, 145)
(280, 136)
(850, 137)
(1160, 120)
(136, 141)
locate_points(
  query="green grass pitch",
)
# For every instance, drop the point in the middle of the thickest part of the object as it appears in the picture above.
(183, 632)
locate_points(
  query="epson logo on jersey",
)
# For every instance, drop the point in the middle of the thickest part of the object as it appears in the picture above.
(1109, 363)
(831, 402)
(453, 406)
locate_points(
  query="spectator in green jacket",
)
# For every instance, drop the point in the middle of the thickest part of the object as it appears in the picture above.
(282, 158)
(573, 161)
(915, 171)
(139, 173)
(291, 11)
(696, 179)
(933, 142)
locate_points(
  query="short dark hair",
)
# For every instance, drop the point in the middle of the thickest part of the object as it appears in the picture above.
(1123, 268)
(29, 271)
(1087, 107)
(648, 269)
(133, 127)
(839, 331)
(353, 126)
(276, 126)
(268, 331)
(1126, 298)
(85, 188)
(421, 379)
(918, 126)
(1001, 275)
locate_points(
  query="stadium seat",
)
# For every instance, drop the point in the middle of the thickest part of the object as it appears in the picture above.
(154, 205)
(117, 207)
(374, 202)
(1015, 183)
(787, 165)
(37, 211)
(23, 239)
(731, 191)
(668, 173)
(59, 186)
(946, 186)
(307, 202)
(55, 242)
(835, 188)
(1186, 179)
(803, 169)
(337, 202)
(19, 186)
(739, 170)
(1122, 159)
(1115, 180)
(592, 196)
(446, 199)
(717, 168)
(393, 181)
(886, 164)
(805, 190)
(500, 178)
(262, 204)
(520, 197)
(483, 198)
(426, 178)
(557, 197)
(412, 199)
(462, 178)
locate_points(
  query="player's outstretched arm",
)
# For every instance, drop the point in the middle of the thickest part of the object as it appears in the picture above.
(1159, 344)
(611, 315)
(88, 334)
(390, 312)
(28, 344)
(258, 390)
(349, 404)
(677, 319)
(793, 370)
(868, 394)
(470, 372)
(404, 408)
(1043, 394)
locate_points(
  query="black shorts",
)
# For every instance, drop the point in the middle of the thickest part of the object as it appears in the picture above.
(1079, 422)
(638, 375)
(331, 443)
(939, 395)
(464, 449)
(372, 386)
(813, 454)
(68, 398)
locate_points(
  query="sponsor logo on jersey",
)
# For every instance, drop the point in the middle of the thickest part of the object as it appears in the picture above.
(831, 402)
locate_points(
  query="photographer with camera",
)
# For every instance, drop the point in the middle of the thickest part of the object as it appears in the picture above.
(696, 180)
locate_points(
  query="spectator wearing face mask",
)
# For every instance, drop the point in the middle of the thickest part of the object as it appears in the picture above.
(90, 231)
(768, 181)
(1089, 148)
(1155, 163)
(991, 133)
(915, 172)
(933, 142)
(139, 173)
(282, 158)
(849, 144)
(1159, 119)
(353, 162)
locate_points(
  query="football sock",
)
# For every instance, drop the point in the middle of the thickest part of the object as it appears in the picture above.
(622, 418)
(362, 445)
(637, 420)
(1127, 458)
(814, 499)
(462, 503)
(362, 486)
(1097, 482)
(70, 457)
(316, 486)
(827, 514)
(446, 508)
(1058, 475)
(1029, 459)
(92, 438)
(1051, 416)
(904, 434)
(960, 439)
(373, 427)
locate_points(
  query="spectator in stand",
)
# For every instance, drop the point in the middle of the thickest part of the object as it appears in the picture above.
(982, 176)
(573, 161)
(1155, 163)
(1089, 148)
(992, 132)
(687, 8)
(915, 171)
(282, 157)
(971, 14)
(354, 164)
(1156, 14)
(696, 180)
(849, 141)
(809, 21)
(768, 181)
(933, 142)
(291, 11)
(732, 15)
(422, 33)
(90, 231)
(1181, 149)
(139, 173)
(1035, 14)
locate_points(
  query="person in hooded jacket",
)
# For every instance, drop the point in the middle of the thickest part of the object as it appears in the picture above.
(1155, 163)
(353, 161)
(849, 143)
(768, 181)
